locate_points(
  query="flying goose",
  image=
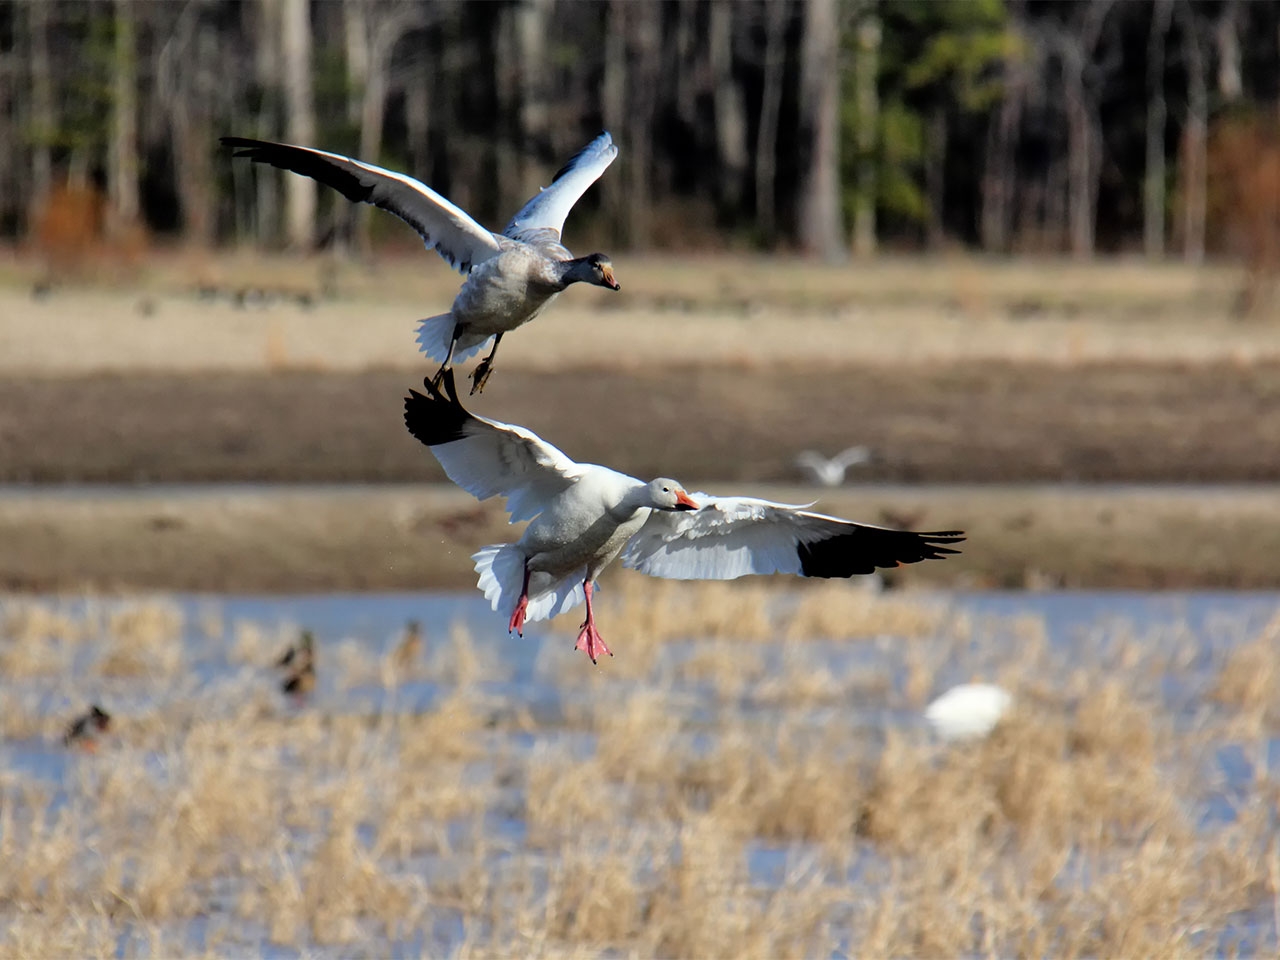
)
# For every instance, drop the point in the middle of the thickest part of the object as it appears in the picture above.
(583, 516)
(511, 276)
(829, 471)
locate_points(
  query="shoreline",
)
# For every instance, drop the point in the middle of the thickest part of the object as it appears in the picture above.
(304, 539)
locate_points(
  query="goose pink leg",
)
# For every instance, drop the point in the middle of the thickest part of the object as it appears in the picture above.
(589, 640)
(522, 608)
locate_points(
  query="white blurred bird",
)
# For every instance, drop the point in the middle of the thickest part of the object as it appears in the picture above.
(829, 471)
(969, 711)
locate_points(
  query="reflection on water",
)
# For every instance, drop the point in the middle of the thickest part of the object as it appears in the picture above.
(173, 668)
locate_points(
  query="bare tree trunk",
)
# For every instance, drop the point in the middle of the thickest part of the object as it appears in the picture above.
(300, 118)
(417, 116)
(1000, 175)
(685, 47)
(821, 232)
(1227, 36)
(265, 30)
(866, 69)
(187, 72)
(776, 13)
(646, 47)
(11, 120)
(122, 157)
(533, 19)
(356, 35)
(730, 111)
(1153, 193)
(1195, 143)
(43, 119)
(613, 104)
(935, 175)
(384, 28)
(506, 123)
(1084, 141)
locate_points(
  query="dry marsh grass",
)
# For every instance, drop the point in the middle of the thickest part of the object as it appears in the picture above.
(750, 792)
(892, 310)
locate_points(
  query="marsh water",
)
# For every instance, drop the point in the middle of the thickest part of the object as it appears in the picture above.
(542, 680)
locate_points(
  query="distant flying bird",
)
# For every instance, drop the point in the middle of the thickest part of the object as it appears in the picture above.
(83, 730)
(969, 711)
(583, 516)
(511, 276)
(829, 472)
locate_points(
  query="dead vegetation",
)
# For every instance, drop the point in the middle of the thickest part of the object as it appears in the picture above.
(758, 786)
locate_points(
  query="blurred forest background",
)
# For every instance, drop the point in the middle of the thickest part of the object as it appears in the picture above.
(823, 126)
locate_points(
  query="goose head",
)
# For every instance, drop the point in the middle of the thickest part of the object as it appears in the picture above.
(597, 269)
(667, 494)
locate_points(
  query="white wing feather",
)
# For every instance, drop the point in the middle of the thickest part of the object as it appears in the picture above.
(727, 538)
(497, 458)
(548, 210)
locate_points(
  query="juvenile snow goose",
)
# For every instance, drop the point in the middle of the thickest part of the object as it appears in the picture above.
(583, 516)
(511, 276)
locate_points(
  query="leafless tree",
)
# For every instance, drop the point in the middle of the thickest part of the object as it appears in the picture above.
(1195, 137)
(776, 16)
(300, 116)
(821, 232)
(1153, 193)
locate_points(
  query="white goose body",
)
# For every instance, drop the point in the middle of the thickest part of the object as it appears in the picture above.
(584, 516)
(511, 276)
(500, 294)
(587, 526)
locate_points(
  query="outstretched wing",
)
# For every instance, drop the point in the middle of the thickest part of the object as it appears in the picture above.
(730, 537)
(547, 211)
(487, 458)
(445, 228)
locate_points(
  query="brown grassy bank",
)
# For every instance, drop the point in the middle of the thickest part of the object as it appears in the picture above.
(421, 537)
(935, 423)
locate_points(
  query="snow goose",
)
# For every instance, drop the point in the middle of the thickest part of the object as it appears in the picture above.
(968, 711)
(511, 276)
(829, 471)
(583, 516)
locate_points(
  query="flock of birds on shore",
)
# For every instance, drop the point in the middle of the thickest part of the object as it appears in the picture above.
(581, 516)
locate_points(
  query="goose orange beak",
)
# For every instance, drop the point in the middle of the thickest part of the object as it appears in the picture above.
(609, 281)
(684, 501)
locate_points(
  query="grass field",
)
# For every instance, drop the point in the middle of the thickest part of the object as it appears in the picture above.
(748, 312)
(763, 790)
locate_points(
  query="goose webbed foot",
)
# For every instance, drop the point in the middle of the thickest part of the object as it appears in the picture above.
(517, 618)
(439, 377)
(591, 643)
(481, 375)
(589, 640)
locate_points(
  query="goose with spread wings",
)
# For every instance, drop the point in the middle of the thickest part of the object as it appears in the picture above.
(511, 276)
(583, 516)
